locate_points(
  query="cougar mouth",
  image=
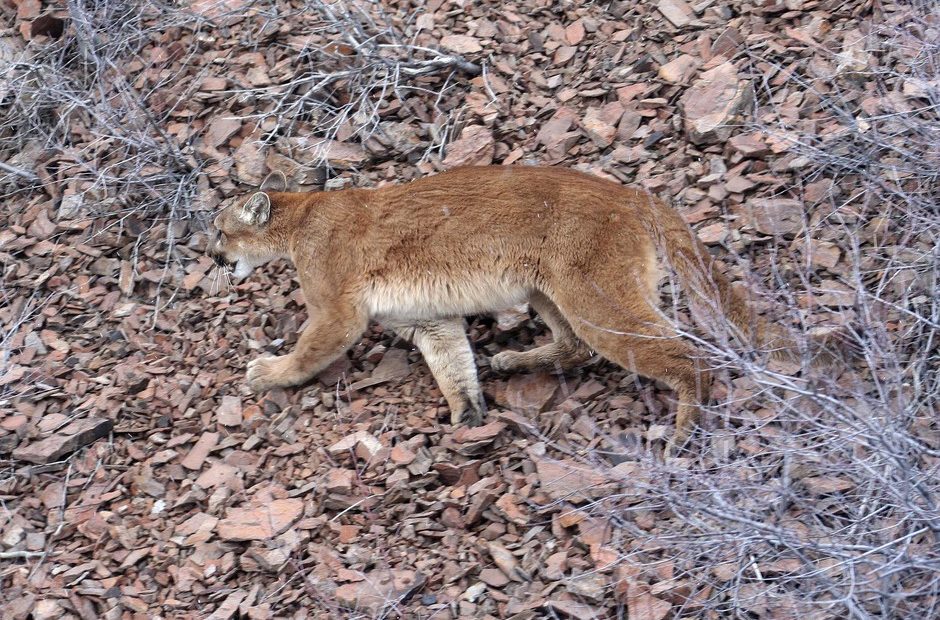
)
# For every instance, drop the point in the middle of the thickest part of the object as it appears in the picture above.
(219, 259)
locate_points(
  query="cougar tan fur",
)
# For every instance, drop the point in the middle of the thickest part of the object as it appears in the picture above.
(586, 253)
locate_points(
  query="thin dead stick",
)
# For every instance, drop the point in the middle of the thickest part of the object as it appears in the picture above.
(19, 172)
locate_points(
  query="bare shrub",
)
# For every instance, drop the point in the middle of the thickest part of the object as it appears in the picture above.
(814, 491)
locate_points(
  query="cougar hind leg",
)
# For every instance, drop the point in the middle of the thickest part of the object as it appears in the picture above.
(621, 323)
(565, 352)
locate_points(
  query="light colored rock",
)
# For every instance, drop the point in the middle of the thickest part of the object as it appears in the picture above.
(677, 12)
(597, 129)
(679, 69)
(475, 147)
(712, 104)
(461, 43)
(774, 216)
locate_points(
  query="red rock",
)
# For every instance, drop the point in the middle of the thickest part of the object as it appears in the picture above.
(644, 606)
(401, 455)
(555, 128)
(363, 443)
(341, 480)
(220, 130)
(507, 562)
(555, 566)
(574, 33)
(487, 432)
(774, 216)
(749, 144)
(578, 611)
(493, 577)
(626, 94)
(260, 522)
(509, 506)
(220, 474)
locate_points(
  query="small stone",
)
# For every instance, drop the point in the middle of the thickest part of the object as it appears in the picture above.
(578, 611)
(589, 585)
(555, 566)
(506, 561)
(200, 450)
(363, 443)
(487, 432)
(229, 412)
(221, 129)
(774, 216)
(713, 233)
(401, 455)
(749, 144)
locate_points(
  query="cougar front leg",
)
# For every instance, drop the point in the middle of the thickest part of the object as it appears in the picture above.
(328, 335)
(447, 352)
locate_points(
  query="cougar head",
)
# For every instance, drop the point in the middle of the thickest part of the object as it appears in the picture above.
(240, 237)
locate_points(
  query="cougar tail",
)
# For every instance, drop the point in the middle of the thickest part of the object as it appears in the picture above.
(713, 299)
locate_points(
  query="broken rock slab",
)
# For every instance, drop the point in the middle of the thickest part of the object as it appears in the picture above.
(381, 589)
(66, 440)
(712, 104)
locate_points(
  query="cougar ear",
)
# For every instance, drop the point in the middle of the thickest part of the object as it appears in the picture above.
(257, 210)
(275, 182)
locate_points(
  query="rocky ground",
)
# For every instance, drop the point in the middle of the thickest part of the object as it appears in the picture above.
(141, 479)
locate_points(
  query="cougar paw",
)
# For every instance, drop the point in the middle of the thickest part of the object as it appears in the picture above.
(504, 361)
(263, 374)
(472, 414)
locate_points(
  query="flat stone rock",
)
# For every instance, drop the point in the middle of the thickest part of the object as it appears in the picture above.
(260, 522)
(569, 480)
(774, 216)
(64, 441)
